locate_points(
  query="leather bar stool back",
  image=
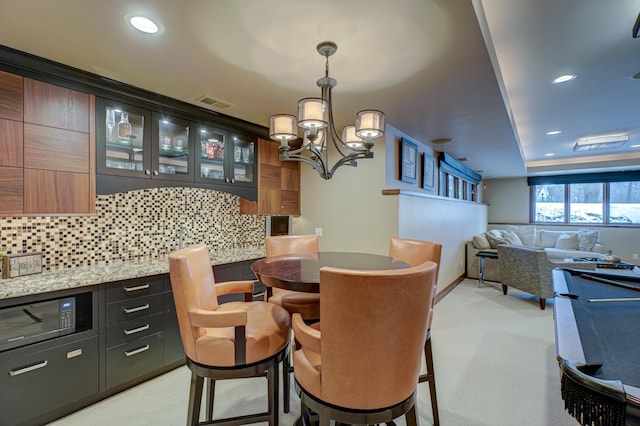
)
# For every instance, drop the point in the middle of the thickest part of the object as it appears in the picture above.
(361, 366)
(415, 252)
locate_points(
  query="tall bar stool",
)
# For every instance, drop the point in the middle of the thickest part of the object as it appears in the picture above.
(225, 341)
(306, 304)
(415, 252)
(361, 366)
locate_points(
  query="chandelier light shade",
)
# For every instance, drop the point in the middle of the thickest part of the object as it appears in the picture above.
(315, 117)
(350, 138)
(283, 127)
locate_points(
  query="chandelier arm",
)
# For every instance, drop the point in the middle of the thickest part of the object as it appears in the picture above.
(350, 160)
(326, 95)
(321, 167)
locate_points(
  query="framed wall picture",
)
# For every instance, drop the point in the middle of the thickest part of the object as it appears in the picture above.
(428, 171)
(408, 161)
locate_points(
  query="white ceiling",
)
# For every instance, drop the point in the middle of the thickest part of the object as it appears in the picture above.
(477, 71)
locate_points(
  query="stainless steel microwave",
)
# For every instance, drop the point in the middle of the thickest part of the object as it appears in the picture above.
(25, 324)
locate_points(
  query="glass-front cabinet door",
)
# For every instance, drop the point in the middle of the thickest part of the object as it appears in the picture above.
(243, 158)
(225, 157)
(211, 154)
(172, 147)
(123, 139)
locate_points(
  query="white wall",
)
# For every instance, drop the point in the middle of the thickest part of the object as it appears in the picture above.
(449, 222)
(350, 208)
(355, 216)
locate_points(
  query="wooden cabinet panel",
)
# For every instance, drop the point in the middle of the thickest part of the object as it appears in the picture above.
(278, 184)
(269, 153)
(269, 176)
(11, 187)
(55, 149)
(11, 143)
(290, 201)
(55, 106)
(290, 177)
(47, 191)
(11, 96)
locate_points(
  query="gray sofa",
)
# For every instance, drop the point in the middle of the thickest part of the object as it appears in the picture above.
(558, 245)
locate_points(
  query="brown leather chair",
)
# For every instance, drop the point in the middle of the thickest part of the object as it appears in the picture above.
(415, 252)
(306, 304)
(230, 340)
(362, 364)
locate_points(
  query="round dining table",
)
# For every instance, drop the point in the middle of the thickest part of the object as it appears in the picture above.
(301, 272)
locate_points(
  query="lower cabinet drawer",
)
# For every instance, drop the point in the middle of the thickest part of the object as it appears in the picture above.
(135, 329)
(134, 359)
(135, 308)
(43, 381)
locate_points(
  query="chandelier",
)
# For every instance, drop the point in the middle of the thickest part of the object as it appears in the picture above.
(315, 118)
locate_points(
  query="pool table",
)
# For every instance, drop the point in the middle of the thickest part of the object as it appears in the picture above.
(597, 326)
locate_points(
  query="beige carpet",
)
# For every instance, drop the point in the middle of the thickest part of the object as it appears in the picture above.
(494, 359)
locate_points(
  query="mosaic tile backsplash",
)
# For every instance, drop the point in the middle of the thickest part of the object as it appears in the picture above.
(135, 225)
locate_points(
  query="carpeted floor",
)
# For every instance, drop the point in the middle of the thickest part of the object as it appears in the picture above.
(494, 362)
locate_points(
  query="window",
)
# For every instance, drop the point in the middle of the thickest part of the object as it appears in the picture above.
(624, 202)
(457, 180)
(604, 198)
(585, 202)
(549, 203)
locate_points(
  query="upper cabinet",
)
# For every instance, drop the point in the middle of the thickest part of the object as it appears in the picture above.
(46, 135)
(225, 157)
(278, 184)
(161, 149)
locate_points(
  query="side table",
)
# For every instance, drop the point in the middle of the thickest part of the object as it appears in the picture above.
(482, 255)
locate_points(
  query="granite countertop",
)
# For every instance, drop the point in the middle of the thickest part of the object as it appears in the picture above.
(97, 274)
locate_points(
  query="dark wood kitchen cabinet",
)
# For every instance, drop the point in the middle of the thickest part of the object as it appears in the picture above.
(169, 149)
(278, 184)
(137, 313)
(46, 133)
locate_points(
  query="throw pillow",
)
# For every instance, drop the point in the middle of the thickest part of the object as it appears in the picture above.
(480, 241)
(512, 237)
(527, 234)
(548, 238)
(567, 241)
(494, 240)
(587, 239)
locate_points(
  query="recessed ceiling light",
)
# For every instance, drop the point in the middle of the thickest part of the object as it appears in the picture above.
(550, 154)
(564, 78)
(554, 132)
(144, 24)
(635, 146)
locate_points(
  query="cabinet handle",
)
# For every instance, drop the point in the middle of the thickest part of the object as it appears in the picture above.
(226, 180)
(147, 172)
(137, 351)
(136, 288)
(37, 366)
(233, 180)
(136, 309)
(136, 330)
(155, 173)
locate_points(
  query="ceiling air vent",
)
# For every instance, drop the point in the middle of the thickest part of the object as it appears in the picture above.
(601, 142)
(213, 102)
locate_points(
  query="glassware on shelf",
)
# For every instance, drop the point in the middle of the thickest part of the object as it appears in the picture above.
(246, 152)
(111, 121)
(124, 127)
(237, 153)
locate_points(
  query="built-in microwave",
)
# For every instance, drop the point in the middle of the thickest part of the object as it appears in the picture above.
(25, 324)
(279, 225)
